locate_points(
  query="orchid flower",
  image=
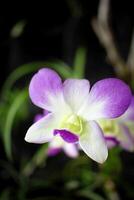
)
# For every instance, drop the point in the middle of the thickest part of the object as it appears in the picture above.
(74, 110)
(120, 131)
(57, 144)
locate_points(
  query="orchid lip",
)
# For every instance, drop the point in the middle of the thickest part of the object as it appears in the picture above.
(70, 128)
(66, 135)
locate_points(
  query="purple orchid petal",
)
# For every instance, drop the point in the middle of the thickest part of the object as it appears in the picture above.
(111, 141)
(108, 98)
(53, 151)
(66, 135)
(75, 92)
(129, 114)
(45, 89)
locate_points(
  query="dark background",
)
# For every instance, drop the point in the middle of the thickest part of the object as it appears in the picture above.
(54, 31)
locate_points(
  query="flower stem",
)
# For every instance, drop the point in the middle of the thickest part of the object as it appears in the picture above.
(80, 62)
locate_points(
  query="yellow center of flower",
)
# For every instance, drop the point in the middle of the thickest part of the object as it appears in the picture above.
(73, 123)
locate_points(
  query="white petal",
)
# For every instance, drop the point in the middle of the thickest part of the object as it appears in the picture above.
(93, 142)
(75, 91)
(42, 130)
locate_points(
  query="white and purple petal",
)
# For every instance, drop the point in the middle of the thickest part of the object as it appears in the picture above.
(46, 89)
(108, 98)
(93, 142)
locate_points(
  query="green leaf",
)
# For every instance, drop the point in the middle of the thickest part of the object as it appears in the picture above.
(113, 166)
(38, 158)
(5, 194)
(80, 62)
(132, 84)
(90, 195)
(14, 108)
